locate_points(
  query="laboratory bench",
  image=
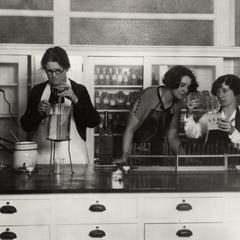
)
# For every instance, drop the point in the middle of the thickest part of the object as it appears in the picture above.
(134, 204)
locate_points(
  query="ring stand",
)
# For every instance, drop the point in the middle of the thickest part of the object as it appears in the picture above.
(52, 154)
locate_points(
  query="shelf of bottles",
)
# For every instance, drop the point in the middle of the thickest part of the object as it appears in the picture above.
(116, 89)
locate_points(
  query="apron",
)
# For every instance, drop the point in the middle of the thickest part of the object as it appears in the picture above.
(155, 144)
(78, 147)
(218, 142)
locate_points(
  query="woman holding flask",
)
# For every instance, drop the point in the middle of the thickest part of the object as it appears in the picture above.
(221, 126)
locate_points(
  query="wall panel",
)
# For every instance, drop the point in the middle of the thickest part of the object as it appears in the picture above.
(141, 32)
(32, 30)
(144, 6)
(237, 22)
(27, 4)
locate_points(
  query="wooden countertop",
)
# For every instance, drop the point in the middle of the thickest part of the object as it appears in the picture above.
(88, 180)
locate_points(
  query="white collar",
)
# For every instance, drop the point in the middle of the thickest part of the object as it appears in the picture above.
(232, 118)
(47, 91)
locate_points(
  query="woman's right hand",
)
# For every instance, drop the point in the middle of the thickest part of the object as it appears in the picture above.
(191, 104)
(44, 108)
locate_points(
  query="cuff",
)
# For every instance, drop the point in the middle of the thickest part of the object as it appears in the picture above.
(186, 119)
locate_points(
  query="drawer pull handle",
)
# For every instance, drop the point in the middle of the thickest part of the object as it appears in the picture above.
(8, 235)
(184, 233)
(184, 207)
(97, 208)
(8, 209)
(97, 233)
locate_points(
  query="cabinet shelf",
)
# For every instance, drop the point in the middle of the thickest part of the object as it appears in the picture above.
(114, 134)
(118, 86)
(7, 116)
(113, 110)
(8, 85)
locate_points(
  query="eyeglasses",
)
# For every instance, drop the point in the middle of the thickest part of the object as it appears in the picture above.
(56, 71)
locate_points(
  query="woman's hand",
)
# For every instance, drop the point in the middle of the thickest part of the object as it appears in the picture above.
(64, 90)
(225, 125)
(191, 104)
(44, 108)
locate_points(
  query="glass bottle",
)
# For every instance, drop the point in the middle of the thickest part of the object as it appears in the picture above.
(101, 77)
(114, 77)
(97, 99)
(107, 76)
(120, 99)
(110, 75)
(125, 76)
(127, 100)
(134, 78)
(106, 100)
(96, 75)
(119, 77)
(112, 101)
(105, 142)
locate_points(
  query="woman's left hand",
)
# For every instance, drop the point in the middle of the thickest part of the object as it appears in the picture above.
(66, 91)
(225, 125)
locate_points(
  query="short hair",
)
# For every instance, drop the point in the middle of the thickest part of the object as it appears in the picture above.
(230, 80)
(56, 54)
(173, 76)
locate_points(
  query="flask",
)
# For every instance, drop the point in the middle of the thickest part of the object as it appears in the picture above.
(105, 142)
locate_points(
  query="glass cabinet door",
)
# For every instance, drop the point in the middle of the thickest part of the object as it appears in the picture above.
(13, 96)
(115, 85)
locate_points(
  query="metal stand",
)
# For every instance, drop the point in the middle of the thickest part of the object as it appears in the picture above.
(52, 154)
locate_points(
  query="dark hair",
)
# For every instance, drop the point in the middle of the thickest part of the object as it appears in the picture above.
(229, 79)
(173, 76)
(56, 54)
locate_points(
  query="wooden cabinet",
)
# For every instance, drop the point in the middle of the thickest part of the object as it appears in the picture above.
(24, 211)
(13, 97)
(25, 232)
(25, 217)
(95, 216)
(92, 231)
(97, 210)
(184, 209)
(135, 216)
(115, 84)
(173, 231)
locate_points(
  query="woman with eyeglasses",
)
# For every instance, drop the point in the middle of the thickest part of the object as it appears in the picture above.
(74, 96)
(221, 127)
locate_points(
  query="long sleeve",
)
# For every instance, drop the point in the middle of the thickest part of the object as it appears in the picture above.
(195, 129)
(84, 112)
(235, 139)
(31, 118)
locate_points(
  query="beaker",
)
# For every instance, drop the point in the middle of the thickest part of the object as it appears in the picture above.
(59, 123)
